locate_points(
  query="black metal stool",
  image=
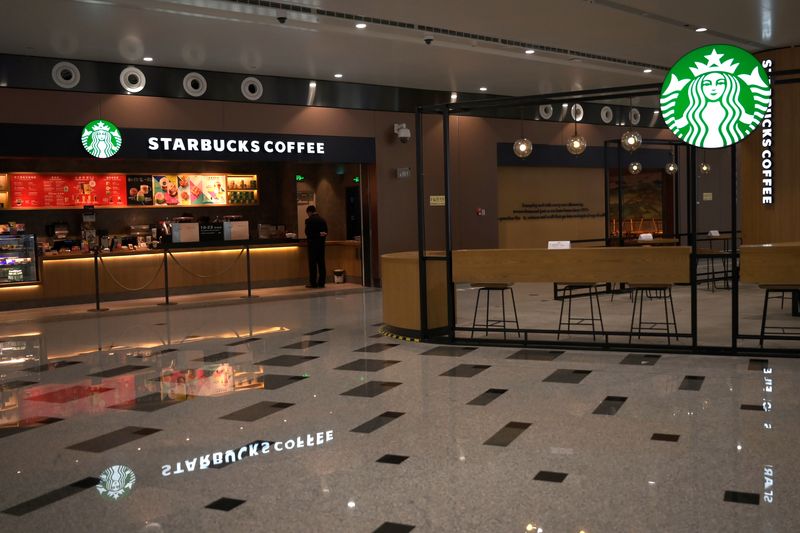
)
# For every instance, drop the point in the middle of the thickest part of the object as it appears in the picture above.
(711, 256)
(782, 290)
(653, 291)
(493, 324)
(568, 295)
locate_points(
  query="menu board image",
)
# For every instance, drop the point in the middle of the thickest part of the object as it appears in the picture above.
(206, 190)
(165, 190)
(184, 192)
(97, 190)
(62, 190)
(26, 190)
(140, 190)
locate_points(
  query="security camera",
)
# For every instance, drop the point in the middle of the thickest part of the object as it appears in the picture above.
(428, 39)
(282, 20)
(402, 132)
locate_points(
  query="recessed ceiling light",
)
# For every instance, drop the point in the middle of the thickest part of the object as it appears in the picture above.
(564, 105)
(453, 96)
(530, 51)
(148, 59)
(361, 25)
(701, 29)
(312, 84)
(337, 75)
(483, 89)
(647, 70)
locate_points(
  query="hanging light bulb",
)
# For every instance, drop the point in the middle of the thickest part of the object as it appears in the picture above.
(671, 168)
(576, 144)
(635, 167)
(631, 140)
(705, 168)
(523, 147)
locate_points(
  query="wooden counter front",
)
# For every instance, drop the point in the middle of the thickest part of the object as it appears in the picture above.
(771, 264)
(400, 283)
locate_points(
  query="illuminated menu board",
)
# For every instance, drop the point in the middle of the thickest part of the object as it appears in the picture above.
(63, 190)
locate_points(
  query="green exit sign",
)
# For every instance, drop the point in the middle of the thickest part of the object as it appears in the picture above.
(298, 177)
(356, 179)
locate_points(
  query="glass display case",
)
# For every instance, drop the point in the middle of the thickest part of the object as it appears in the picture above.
(18, 262)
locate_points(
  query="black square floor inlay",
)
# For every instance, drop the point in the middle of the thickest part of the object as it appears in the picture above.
(640, 359)
(302, 345)
(692, 383)
(112, 440)
(27, 424)
(752, 407)
(117, 371)
(392, 459)
(741, 497)
(555, 477)
(256, 411)
(393, 527)
(465, 371)
(371, 389)
(318, 331)
(53, 496)
(148, 403)
(51, 366)
(378, 422)
(485, 398)
(219, 356)
(243, 341)
(16, 384)
(449, 351)
(567, 375)
(535, 355)
(377, 347)
(610, 405)
(225, 504)
(287, 360)
(666, 437)
(507, 434)
(367, 365)
(758, 364)
(277, 381)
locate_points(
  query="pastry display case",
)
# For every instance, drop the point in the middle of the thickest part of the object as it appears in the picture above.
(18, 261)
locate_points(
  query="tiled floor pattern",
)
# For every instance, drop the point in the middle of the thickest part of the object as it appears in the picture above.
(500, 439)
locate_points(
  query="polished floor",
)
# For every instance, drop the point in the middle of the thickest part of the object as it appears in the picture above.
(294, 413)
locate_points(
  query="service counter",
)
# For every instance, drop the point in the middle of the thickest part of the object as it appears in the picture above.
(191, 268)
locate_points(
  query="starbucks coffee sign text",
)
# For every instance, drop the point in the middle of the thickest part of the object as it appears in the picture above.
(232, 146)
(767, 127)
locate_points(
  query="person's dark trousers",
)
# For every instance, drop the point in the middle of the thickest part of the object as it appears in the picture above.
(316, 263)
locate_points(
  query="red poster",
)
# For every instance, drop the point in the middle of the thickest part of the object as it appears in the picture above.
(57, 191)
(26, 190)
(61, 190)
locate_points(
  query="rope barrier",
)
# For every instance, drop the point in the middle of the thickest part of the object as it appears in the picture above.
(202, 276)
(117, 282)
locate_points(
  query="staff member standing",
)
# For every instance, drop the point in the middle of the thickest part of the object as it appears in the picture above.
(316, 231)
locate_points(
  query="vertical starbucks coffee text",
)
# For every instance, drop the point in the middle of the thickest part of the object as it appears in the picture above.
(767, 175)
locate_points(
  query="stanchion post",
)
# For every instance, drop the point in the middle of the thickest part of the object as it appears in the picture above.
(97, 307)
(166, 278)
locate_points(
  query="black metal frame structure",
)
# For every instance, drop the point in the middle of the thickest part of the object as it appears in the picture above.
(449, 334)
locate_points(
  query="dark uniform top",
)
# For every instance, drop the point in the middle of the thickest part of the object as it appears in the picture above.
(315, 225)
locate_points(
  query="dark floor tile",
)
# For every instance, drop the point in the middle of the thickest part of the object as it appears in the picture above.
(610, 405)
(53, 496)
(287, 360)
(69, 394)
(666, 437)
(110, 373)
(277, 381)
(554, 477)
(752, 407)
(567, 375)
(465, 371)
(367, 365)
(535, 355)
(507, 434)
(244, 341)
(378, 422)
(377, 347)
(225, 504)
(256, 411)
(392, 459)
(112, 440)
(692, 383)
(27, 424)
(640, 359)
(51, 366)
(318, 331)
(302, 345)
(372, 389)
(393, 527)
(148, 403)
(758, 364)
(16, 384)
(449, 351)
(741, 497)
(487, 397)
(219, 356)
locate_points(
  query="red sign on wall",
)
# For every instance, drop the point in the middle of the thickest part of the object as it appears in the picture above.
(61, 190)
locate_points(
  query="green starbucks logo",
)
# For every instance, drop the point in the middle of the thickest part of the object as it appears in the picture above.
(116, 481)
(715, 96)
(101, 138)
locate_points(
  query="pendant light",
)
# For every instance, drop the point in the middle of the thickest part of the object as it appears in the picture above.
(635, 167)
(523, 147)
(671, 168)
(705, 168)
(631, 139)
(576, 144)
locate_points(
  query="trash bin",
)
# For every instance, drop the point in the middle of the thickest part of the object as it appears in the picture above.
(338, 275)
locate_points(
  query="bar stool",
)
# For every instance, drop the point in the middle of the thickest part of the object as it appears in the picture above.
(568, 296)
(782, 290)
(711, 256)
(653, 291)
(488, 288)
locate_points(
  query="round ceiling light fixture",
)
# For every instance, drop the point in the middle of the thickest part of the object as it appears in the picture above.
(530, 51)
(66, 75)
(361, 25)
(546, 111)
(705, 168)
(483, 89)
(523, 147)
(195, 84)
(576, 144)
(576, 112)
(701, 29)
(671, 168)
(635, 116)
(252, 89)
(606, 114)
(635, 167)
(631, 140)
(132, 79)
